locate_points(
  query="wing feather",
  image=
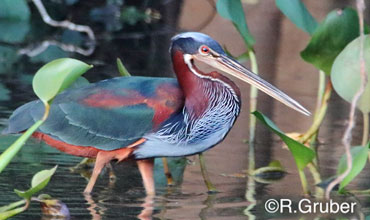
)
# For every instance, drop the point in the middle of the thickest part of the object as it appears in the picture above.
(107, 115)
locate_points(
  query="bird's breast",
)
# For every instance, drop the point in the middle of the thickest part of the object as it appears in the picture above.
(191, 132)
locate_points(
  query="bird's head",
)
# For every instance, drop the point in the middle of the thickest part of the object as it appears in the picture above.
(202, 48)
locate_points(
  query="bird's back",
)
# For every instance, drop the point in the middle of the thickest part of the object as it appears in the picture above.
(107, 115)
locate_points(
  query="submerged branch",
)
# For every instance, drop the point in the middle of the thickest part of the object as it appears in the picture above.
(65, 24)
(32, 51)
(347, 137)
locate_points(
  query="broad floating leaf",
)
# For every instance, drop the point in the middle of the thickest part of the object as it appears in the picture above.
(16, 10)
(4, 93)
(39, 181)
(13, 31)
(302, 154)
(338, 29)
(297, 12)
(233, 11)
(8, 57)
(51, 53)
(359, 158)
(14, 20)
(346, 75)
(56, 76)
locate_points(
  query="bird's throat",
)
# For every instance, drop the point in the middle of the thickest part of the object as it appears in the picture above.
(200, 88)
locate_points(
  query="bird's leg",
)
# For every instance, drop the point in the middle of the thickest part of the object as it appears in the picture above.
(167, 172)
(211, 188)
(112, 175)
(101, 160)
(146, 170)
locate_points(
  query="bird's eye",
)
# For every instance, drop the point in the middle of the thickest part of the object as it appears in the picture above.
(204, 50)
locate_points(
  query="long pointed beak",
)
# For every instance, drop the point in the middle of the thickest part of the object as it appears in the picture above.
(235, 69)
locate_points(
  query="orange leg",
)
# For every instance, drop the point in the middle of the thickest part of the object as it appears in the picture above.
(146, 171)
(101, 160)
(104, 157)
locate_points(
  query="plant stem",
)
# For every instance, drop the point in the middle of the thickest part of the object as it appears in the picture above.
(320, 95)
(12, 205)
(365, 134)
(320, 92)
(46, 112)
(11, 151)
(252, 107)
(319, 115)
(317, 179)
(253, 100)
(303, 178)
(347, 136)
(211, 188)
(13, 212)
(250, 192)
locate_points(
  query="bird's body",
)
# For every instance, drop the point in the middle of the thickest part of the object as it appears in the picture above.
(113, 114)
(144, 117)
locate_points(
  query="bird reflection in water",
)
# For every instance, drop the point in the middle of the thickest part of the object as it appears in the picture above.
(98, 211)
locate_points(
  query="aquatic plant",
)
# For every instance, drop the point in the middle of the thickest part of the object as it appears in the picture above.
(333, 49)
(49, 80)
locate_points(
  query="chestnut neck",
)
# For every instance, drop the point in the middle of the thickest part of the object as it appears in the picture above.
(193, 86)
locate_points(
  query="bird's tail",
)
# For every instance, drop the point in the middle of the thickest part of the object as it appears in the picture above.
(21, 119)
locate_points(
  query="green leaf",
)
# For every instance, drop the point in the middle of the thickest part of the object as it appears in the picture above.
(11, 206)
(338, 29)
(233, 11)
(42, 178)
(302, 154)
(121, 68)
(269, 174)
(39, 181)
(13, 31)
(8, 57)
(346, 75)
(80, 81)
(13, 212)
(56, 76)
(297, 12)
(14, 10)
(51, 53)
(4, 93)
(241, 58)
(11, 151)
(359, 158)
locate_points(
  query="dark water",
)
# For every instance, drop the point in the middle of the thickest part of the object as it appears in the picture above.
(143, 48)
